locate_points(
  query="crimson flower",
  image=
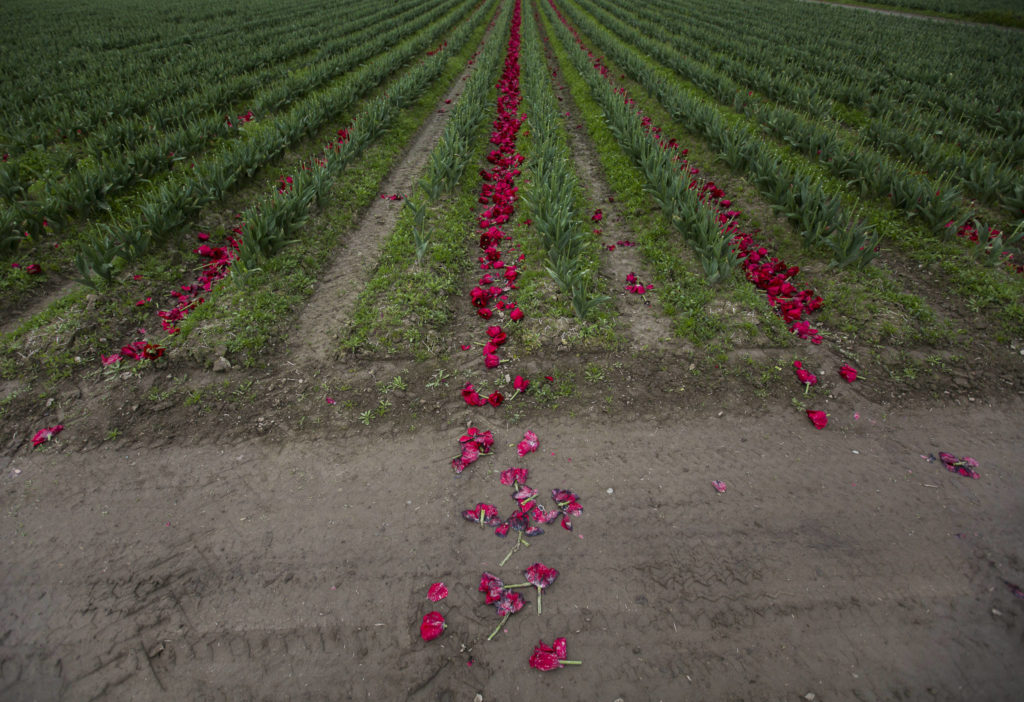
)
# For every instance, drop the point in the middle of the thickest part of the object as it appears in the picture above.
(498, 337)
(470, 452)
(964, 466)
(492, 586)
(508, 603)
(491, 360)
(524, 495)
(818, 418)
(471, 396)
(33, 269)
(541, 577)
(848, 372)
(805, 376)
(151, 352)
(482, 514)
(529, 443)
(432, 626)
(551, 657)
(514, 476)
(485, 312)
(437, 592)
(597, 216)
(483, 439)
(568, 504)
(495, 398)
(516, 314)
(44, 435)
(718, 485)
(520, 383)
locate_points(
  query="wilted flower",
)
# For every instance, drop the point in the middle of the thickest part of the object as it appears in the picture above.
(44, 435)
(529, 443)
(818, 418)
(432, 626)
(551, 657)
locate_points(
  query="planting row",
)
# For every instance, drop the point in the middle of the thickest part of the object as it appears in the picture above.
(719, 71)
(169, 206)
(87, 189)
(106, 72)
(173, 130)
(264, 227)
(697, 208)
(818, 204)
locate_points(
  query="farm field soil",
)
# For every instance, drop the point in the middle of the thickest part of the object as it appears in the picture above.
(838, 563)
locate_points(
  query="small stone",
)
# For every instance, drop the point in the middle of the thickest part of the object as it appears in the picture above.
(810, 697)
(611, 490)
(221, 365)
(478, 698)
(721, 413)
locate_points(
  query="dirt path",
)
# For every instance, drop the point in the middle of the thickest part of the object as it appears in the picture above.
(840, 564)
(316, 338)
(646, 327)
(913, 15)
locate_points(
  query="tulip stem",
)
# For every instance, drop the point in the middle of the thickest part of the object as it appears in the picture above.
(498, 628)
(539, 593)
(571, 662)
(519, 542)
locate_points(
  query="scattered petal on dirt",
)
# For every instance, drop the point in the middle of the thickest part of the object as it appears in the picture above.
(437, 592)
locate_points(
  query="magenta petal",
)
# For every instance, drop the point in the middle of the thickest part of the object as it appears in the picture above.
(437, 592)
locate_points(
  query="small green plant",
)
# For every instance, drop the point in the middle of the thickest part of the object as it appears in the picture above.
(438, 378)
(594, 373)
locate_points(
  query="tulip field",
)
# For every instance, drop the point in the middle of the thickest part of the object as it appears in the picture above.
(576, 348)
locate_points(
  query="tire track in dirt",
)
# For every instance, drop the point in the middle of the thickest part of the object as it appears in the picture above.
(316, 333)
(648, 327)
(816, 565)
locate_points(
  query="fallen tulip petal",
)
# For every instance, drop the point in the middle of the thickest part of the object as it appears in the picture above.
(818, 418)
(437, 592)
(432, 626)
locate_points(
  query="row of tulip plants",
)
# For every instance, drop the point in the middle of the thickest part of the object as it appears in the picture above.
(169, 206)
(418, 270)
(698, 209)
(936, 143)
(859, 161)
(263, 227)
(247, 144)
(819, 205)
(134, 151)
(108, 73)
(819, 216)
(940, 79)
(554, 195)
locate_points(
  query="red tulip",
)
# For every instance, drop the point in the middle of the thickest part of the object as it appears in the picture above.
(432, 626)
(818, 418)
